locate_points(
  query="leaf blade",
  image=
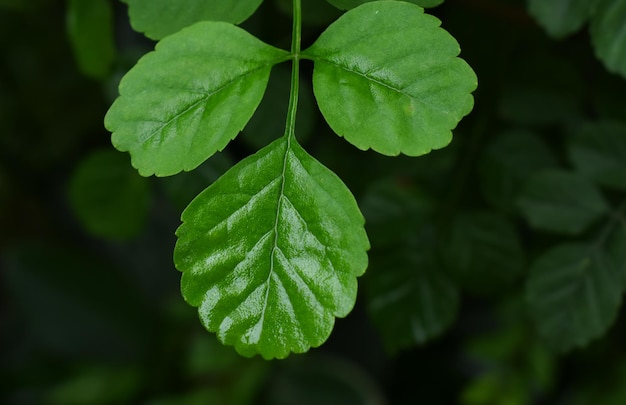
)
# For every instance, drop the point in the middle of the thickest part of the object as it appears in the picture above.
(381, 91)
(287, 243)
(189, 98)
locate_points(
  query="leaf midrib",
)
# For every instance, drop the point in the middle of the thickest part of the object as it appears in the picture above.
(383, 84)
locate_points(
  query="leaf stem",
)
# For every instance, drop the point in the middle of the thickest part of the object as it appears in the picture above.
(296, 39)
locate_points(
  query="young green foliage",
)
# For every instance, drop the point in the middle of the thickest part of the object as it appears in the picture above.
(186, 100)
(388, 68)
(270, 253)
(286, 245)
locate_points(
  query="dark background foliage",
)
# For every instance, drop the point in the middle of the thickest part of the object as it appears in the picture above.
(90, 309)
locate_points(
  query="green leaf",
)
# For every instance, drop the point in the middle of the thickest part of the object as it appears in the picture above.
(561, 201)
(561, 17)
(599, 151)
(159, 18)
(90, 30)
(574, 294)
(186, 100)
(271, 251)
(387, 77)
(109, 198)
(349, 4)
(482, 251)
(608, 34)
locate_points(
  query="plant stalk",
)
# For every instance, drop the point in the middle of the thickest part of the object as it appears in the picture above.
(296, 36)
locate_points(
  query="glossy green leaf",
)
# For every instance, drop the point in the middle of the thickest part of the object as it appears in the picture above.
(271, 251)
(507, 161)
(109, 198)
(561, 201)
(599, 151)
(561, 17)
(349, 4)
(186, 100)
(90, 30)
(608, 34)
(574, 293)
(387, 77)
(159, 18)
(483, 252)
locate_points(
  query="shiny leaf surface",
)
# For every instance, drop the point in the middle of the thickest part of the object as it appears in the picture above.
(271, 251)
(186, 100)
(387, 77)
